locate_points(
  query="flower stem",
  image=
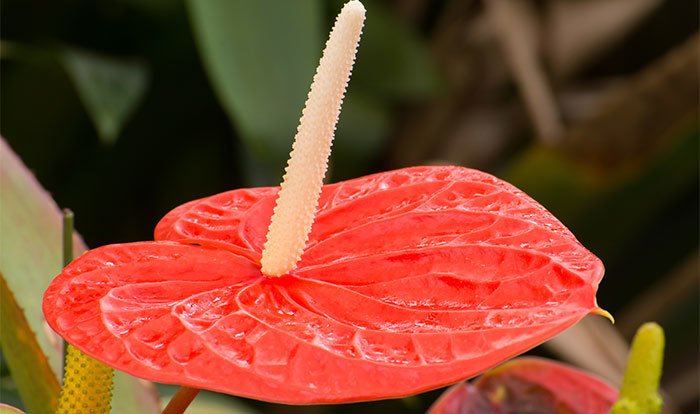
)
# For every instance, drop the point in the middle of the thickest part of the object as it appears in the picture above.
(67, 258)
(87, 383)
(181, 400)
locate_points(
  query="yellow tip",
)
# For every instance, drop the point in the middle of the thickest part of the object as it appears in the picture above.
(604, 313)
(301, 186)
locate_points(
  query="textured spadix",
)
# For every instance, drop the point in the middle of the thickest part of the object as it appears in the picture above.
(411, 279)
(308, 161)
(87, 385)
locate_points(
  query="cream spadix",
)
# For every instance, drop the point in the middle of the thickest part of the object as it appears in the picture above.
(301, 186)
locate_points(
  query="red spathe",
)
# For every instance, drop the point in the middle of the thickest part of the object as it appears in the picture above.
(411, 279)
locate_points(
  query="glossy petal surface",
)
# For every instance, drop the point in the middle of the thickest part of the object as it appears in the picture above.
(411, 279)
(529, 385)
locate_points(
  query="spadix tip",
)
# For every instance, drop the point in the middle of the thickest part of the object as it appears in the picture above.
(354, 6)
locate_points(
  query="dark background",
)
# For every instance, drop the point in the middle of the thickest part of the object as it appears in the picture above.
(435, 82)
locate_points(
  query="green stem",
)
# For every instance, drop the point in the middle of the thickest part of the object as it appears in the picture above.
(67, 234)
(181, 400)
(87, 383)
(639, 392)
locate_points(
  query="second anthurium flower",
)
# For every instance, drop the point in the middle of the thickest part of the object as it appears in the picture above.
(406, 281)
(529, 385)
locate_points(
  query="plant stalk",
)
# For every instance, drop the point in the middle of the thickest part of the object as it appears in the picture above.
(68, 226)
(181, 400)
(87, 383)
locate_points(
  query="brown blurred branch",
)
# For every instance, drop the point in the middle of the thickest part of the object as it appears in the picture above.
(638, 117)
(426, 126)
(516, 29)
(579, 31)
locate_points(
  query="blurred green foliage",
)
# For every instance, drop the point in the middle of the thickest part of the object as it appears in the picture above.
(110, 89)
(260, 72)
(124, 109)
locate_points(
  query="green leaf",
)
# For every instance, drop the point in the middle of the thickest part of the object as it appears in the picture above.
(9, 394)
(132, 395)
(260, 58)
(109, 88)
(37, 384)
(30, 224)
(31, 220)
(362, 130)
(392, 61)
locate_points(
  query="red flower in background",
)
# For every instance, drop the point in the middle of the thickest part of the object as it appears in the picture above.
(411, 280)
(529, 385)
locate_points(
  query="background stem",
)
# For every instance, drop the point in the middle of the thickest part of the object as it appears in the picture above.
(181, 400)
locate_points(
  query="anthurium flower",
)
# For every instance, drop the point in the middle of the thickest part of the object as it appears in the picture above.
(411, 279)
(378, 287)
(529, 385)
